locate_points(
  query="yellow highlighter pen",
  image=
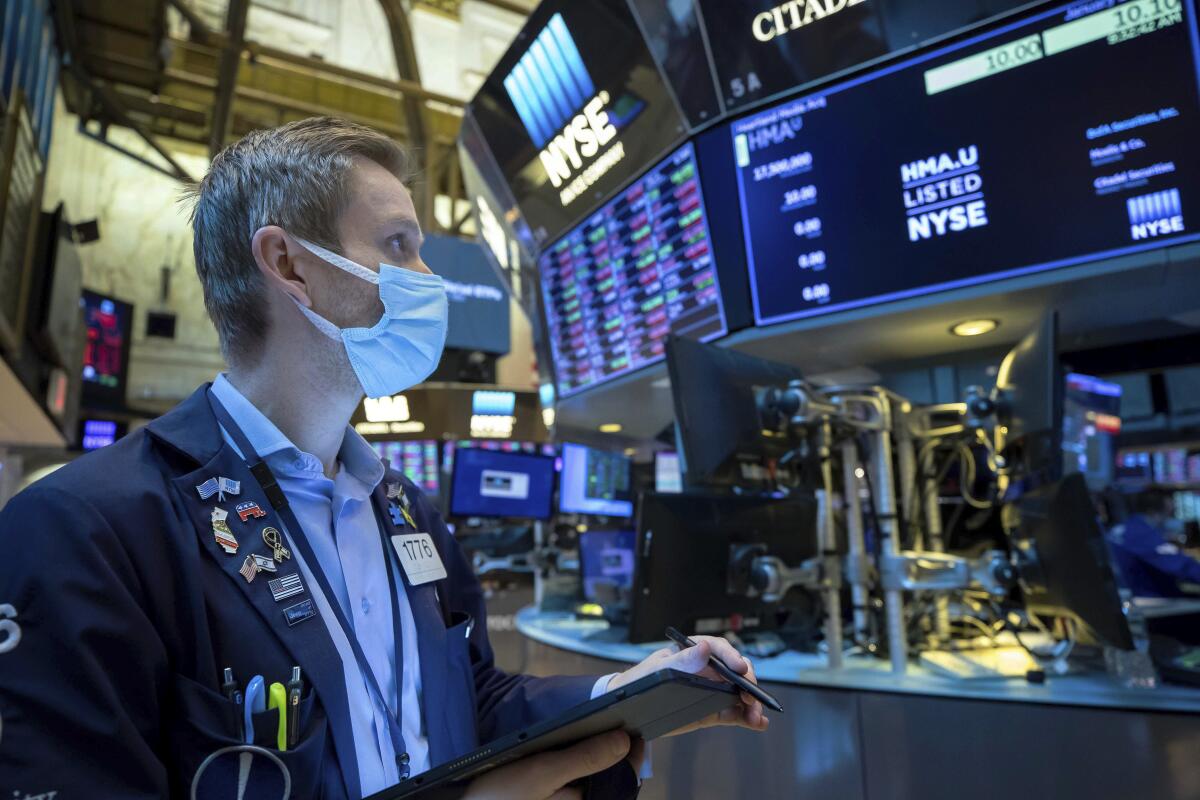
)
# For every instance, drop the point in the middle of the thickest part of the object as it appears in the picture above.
(277, 698)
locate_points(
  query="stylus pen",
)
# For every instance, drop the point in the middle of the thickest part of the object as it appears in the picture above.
(725, 672)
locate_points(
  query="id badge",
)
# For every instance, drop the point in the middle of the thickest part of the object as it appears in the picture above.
(419, 558)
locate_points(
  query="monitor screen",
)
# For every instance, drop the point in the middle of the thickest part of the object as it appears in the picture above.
(638, 269)
(1066, 137)
(488, 483)
(770, 48)
(573, 110)
(417, 459)
(594, 482)
(606, 566)
(668, 474)
(1091, 422)
(97, 433)
(109, 324)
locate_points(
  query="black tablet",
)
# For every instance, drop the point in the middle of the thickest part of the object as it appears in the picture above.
(647, 708)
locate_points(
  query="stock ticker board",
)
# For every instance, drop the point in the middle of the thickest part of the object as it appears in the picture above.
(1066, 137)
(638, 269)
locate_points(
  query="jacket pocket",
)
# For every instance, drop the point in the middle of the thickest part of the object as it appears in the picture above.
(207, 759)
(462, 674)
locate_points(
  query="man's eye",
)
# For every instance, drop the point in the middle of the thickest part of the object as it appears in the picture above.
(400, 245)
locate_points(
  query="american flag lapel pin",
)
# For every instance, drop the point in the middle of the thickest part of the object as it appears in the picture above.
(249, 569)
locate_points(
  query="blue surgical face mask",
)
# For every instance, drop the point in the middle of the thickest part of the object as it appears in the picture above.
(404, 347)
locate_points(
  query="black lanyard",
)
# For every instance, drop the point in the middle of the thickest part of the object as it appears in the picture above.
(266, 480)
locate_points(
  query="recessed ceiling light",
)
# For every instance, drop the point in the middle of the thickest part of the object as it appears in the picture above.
(610, 427)
(975, 327)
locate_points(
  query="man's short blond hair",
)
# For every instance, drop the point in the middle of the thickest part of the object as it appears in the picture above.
(295, 176)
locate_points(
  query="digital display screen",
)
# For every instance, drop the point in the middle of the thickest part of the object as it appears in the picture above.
(1091, 422)
(488, 483)
(418, 460)
(108, 325)
(606, 566)
(637, 270)
(574, 109)
(668, 473)
(594, 482)
(99, 433)
(477, 299)
(772, 47)
(1067, 137)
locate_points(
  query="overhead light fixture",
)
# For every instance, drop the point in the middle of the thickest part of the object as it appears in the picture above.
(610, 427)
(975, 327)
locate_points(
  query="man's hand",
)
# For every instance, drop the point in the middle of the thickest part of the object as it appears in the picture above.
(545, 776)
(747, 714)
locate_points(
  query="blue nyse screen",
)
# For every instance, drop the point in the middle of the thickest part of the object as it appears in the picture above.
(1066, 137)
(638, 269)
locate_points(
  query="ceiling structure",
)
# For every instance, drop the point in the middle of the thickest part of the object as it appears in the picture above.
(123, 67)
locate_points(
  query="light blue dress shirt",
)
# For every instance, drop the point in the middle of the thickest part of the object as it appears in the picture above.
(342, 529)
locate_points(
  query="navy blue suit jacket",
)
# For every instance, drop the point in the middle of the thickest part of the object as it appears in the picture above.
(128, 611)
(1149, 565)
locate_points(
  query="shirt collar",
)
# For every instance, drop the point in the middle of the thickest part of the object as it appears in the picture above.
(355, 455)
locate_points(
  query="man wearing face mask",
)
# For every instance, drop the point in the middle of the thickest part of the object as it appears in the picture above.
(1150, 564)
(220, 604)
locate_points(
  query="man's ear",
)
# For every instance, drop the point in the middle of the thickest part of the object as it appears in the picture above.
(280, 260)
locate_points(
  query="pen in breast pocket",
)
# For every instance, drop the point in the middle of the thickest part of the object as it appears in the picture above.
(295, 688)
(233, 694)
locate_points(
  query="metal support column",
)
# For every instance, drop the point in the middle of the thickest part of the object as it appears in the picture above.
(832, 577)
(884, 486)
(856, 543)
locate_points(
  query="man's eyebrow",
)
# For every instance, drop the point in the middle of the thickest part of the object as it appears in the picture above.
(408, 226)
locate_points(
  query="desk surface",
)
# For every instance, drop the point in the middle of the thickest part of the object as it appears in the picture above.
(563, 631)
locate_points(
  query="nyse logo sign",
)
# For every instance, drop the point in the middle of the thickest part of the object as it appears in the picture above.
(788, 17)
(563, 113)
(1156, 214)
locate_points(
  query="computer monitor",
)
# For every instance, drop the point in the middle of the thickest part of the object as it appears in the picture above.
(1029, 401)
(109, 325)
(1091, 423)
(1064, 564)
(594, 482)
(720, 435)
(488, 483)
(606, 566)
(685, 543)
(668, 474)
(417, 459)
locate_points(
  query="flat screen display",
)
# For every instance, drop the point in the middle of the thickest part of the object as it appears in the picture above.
(417, 459)
(575, 108)
(1066, 137)
(594, 482)
(488, 483)
(477, 298)
(668, 473)
(606, 566)
(109, 324)
(1091, 423)
(97, 433)
(768, 46)
(638, 269)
